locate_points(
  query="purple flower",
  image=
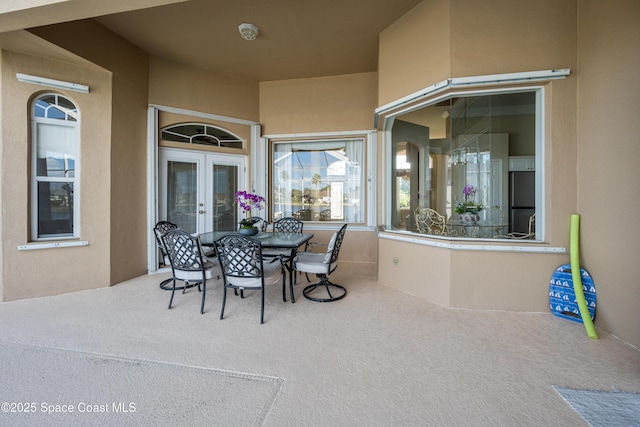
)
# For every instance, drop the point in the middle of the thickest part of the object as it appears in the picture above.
(469, 190)
(248, 201)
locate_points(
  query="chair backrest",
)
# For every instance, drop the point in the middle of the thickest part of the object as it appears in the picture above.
(430, 221)
(161, 228)
(239, 256)
(333, 248)
(261, 223)
(288, 225)
(183, 250)
(226, 222)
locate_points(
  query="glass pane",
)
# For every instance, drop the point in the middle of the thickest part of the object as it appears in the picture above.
(55, 209)
(454, 158)
(55, 107)
(201, 133)
(225, 185)
(182, 194)
(55, 151)
(319, 180)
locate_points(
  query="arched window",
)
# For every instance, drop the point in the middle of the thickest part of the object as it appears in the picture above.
(55, 144)
(202, 134)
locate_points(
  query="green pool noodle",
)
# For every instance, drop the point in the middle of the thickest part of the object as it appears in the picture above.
(577, 279)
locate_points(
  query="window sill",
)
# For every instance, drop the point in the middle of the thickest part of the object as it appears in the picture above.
(52, 245)
(460, 244)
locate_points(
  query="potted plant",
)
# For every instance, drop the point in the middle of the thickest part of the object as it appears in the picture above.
(247, 202)
(468, 212)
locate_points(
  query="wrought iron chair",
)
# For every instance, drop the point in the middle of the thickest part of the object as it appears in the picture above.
(243, 267)
(288, 225)
(284, 225)
(261, 223)
(429, 221)
(188, 263)
(322, 265)
(161, 228)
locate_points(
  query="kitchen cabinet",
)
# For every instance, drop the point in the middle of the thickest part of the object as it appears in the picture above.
(522, 163)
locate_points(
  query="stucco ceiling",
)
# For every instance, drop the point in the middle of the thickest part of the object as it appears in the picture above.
(298, 38)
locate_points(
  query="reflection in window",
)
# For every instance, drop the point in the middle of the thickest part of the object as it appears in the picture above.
(318, 180)
(54, 162)
(453, 157)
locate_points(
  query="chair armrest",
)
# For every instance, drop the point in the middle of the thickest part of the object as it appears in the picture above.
(309, 246)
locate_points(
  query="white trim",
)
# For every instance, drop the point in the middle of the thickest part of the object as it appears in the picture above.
(491, 79)
(152, 165)
(370, 145)
(473, 246)
(317, 134)
(33, 246)
(152, 187)
(58, 84)
(202, 115)
(372, 179)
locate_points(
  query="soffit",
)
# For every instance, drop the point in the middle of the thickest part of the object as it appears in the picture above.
(21, 14)
(26, 43)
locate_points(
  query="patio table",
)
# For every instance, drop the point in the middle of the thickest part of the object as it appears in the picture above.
(290, 241)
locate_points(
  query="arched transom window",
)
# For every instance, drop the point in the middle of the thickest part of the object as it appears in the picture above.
(201, 133)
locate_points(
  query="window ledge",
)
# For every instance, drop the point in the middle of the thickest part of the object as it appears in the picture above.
(533, 247)
(51, 245)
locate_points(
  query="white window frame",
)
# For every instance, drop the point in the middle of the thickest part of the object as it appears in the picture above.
(369, 201)
(35, 179)
(468, 86)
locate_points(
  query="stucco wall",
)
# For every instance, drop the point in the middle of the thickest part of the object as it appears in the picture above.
(175, 85)
(585, 169)
(414, 52)
(608, 155)
(488, 38)
(52, 271)
(326, 104)
(130, 68)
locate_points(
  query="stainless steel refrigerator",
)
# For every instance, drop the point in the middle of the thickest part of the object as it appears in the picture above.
(522, 200)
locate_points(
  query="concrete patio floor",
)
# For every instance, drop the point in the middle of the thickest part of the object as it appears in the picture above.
(379, 357)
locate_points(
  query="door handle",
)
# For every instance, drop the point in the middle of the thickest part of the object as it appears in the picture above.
(201, 212)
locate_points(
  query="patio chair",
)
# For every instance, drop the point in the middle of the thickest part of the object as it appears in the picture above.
(243, 267)
(288, 225)
(284, 225)
(531, 234)
(429, 221)
(322, 265)
(188, 263)
(160, 228)
(261, 223)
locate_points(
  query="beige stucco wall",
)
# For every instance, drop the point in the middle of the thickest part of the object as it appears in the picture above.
(414, 52)
(326, 104)
(607, 156)
(52, 271)
(583, 172)
(175, 85)
(126, 169)
(482, 41)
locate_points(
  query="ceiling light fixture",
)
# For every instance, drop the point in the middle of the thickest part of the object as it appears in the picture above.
(248, 31)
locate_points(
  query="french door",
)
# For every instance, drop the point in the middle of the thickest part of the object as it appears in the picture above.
(196, 190)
